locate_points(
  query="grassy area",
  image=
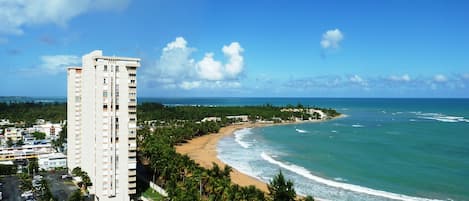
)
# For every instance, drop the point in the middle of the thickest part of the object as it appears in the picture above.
(153, 195)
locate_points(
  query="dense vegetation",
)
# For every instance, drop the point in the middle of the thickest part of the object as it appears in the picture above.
(56, 112)
(157, 111)
(7, 169)
(29, 112)
(185, 180)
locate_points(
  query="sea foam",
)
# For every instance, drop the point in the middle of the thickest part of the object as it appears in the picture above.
(301, 131)
(440, 117)
(239, 136)
(307, 174)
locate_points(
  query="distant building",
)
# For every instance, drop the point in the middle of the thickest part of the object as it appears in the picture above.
(102, 124)
(211, 119)
(5, 122)
(243, 118)
(51, 130)
(52, 161)
(40, 121)
(15, 134)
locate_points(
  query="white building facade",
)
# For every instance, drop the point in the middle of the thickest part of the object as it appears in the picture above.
(52, 161)
(102, 123)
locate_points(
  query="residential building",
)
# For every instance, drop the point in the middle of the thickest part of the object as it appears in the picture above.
(14, 134)
(25, 151)
(51, 130)
(102, 124)
(52, 161)
(242, 118)
(211, 119)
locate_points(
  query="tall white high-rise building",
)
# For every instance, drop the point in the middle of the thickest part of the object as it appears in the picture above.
(102, 124)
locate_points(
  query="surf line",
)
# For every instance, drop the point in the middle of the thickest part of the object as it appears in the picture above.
(305, 173)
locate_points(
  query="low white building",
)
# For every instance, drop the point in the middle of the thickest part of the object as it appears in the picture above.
(5, 122)
(211, 119)
(13, 133)
(243, 118)
(51, 130)
(52, 161)
(25, 151)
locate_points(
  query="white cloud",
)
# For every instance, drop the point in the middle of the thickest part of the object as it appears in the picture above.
(440, 78)
(15, 14)
(465, 76)
(405, 78)
(177, 68)
(189, 85)
(236, 62)
(175, 60)
(179, 43)
(57, 63)
(358, 80)
(331, 39)
(209, 69)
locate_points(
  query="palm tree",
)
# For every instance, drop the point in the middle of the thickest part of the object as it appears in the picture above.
(280, 189)
(77, 171)
(33, 166)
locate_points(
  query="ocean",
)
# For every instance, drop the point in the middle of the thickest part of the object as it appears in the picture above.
(385, 149)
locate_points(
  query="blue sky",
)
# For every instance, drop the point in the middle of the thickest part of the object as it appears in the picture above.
(395, 48)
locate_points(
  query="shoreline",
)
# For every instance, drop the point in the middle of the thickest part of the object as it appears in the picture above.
(203, 150)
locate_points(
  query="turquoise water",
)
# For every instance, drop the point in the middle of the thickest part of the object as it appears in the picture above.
(386, 149)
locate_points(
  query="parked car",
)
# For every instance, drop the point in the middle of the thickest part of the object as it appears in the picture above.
(66, 176)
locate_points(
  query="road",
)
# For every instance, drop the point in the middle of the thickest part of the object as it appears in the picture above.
(10, 188)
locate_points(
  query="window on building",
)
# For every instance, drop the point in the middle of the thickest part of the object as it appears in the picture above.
(117, 68)
(117, 108)
(105, 68)
(105, 93)
(105, 107)
(104, 82)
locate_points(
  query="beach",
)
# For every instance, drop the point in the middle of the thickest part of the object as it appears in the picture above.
(203, 150)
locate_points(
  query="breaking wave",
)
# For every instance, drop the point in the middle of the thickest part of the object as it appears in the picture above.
(355, 188)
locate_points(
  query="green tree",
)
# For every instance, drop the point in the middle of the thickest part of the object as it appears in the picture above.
(86, 180)
(33, 166)
(76, 196)
(46, 193)
(7, 169)
(39, 135)
(77, 171)
(25, 182)
(19, 143)
(280, 189)
(9, 142)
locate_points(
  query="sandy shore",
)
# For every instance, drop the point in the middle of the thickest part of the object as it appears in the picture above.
(203, 150)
